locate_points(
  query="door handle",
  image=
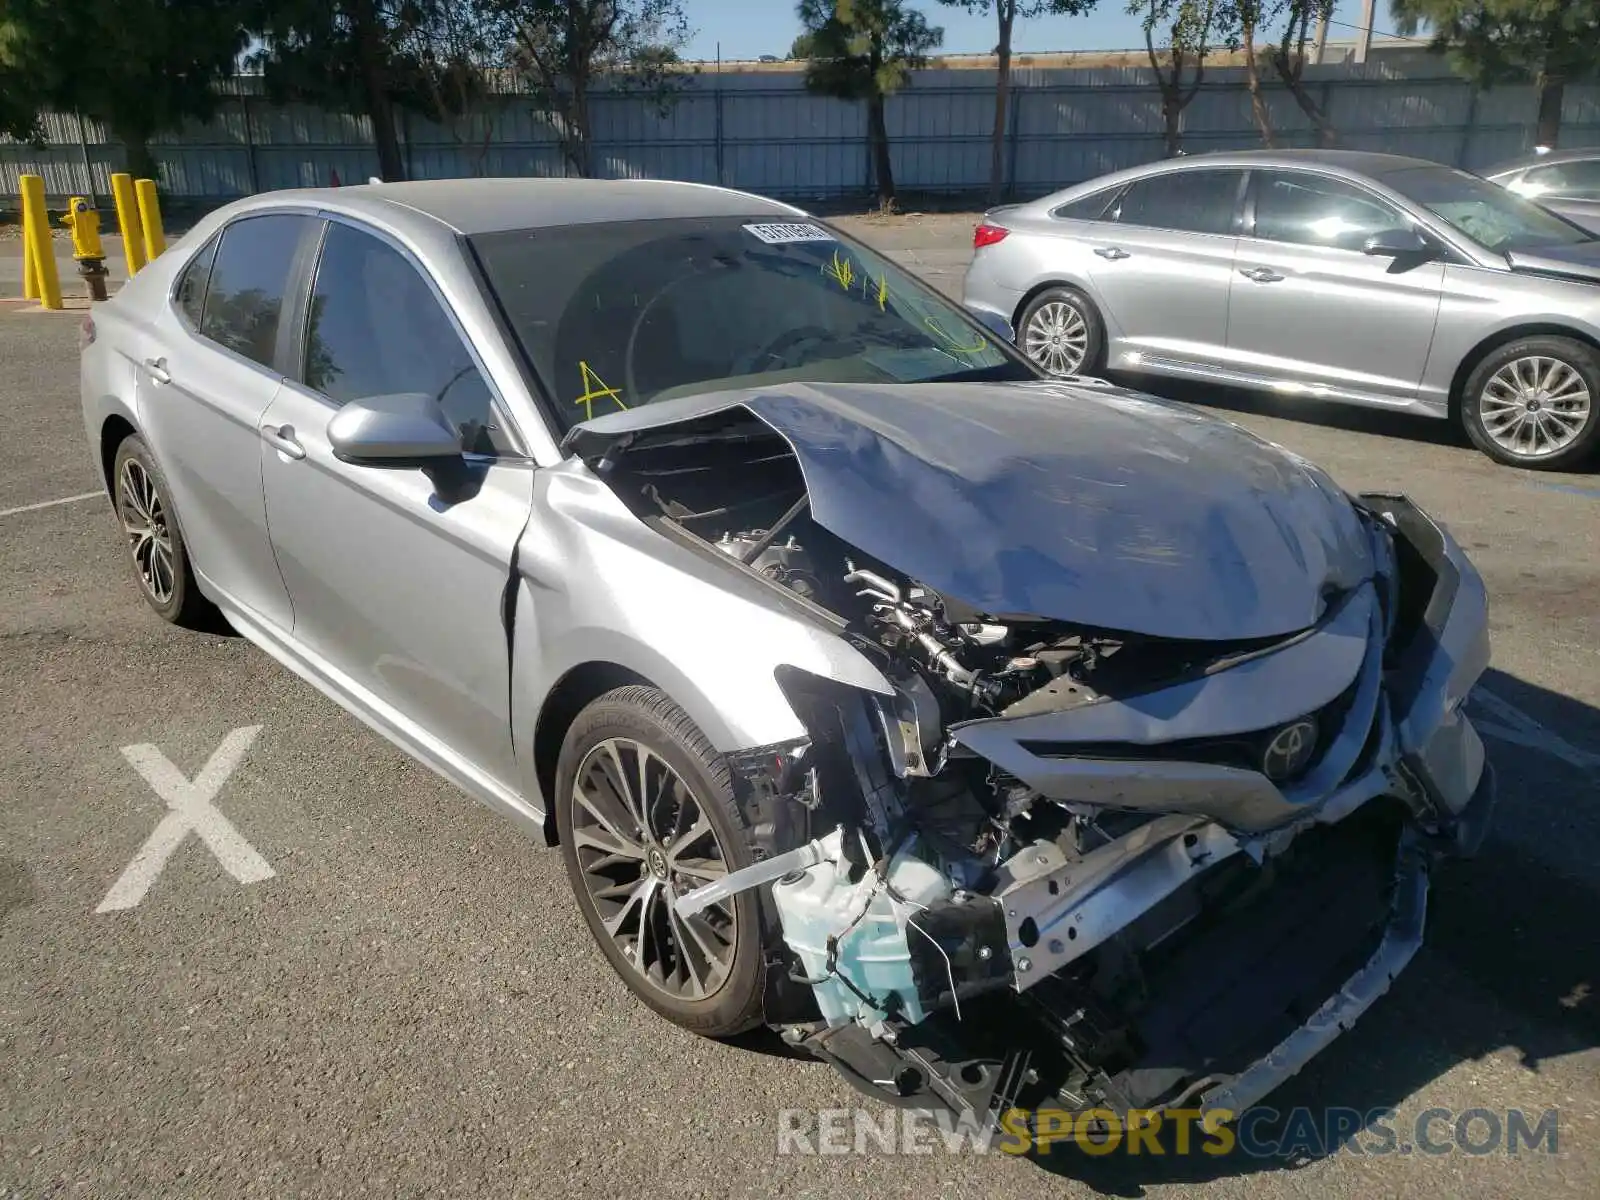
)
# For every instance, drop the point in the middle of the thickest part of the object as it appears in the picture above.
(283, 440)
(1114, 253)
(156, 368)
(1261, 275)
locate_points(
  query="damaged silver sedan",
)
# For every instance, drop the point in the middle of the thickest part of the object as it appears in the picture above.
(1000, 740)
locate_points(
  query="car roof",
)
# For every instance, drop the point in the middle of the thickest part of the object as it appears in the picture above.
(1577, 154)
(473, 206)
(1362, 162)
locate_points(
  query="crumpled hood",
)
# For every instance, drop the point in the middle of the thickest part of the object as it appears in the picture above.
(1580, 261)
(1077, 503)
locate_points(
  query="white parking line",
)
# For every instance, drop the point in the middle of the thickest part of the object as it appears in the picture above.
(192, 809)
(11, 512)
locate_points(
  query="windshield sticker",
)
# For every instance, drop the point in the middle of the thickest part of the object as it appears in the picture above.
(780, 235)
(881, 292)
(950, 340)
(594, 388)
(841, 270)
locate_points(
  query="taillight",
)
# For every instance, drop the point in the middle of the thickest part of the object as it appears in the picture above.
(85, 334)
(988, 235)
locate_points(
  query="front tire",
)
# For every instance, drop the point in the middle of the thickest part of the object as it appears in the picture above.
(161, 563)
(1535, 403)
(645, 811)
(1061, 331)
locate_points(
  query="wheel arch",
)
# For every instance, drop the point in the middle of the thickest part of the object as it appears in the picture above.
(572, 693)
(114, 430)
(1034, 292)
(1501, 337)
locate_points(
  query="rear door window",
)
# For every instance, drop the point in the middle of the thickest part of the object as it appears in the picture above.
(1186, 201)
(191, 293)
(244, 297)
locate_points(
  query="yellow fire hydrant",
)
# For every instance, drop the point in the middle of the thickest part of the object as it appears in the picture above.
(84, 222)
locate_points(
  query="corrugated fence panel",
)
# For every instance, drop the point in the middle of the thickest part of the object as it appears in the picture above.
(762, 131)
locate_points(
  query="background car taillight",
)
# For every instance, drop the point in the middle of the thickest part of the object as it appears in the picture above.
(987, 235)
(85, 334)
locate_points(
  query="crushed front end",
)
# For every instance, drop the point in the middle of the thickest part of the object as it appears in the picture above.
(1034, 879)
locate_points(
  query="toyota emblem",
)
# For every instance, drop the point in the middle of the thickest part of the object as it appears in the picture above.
(1290, 750)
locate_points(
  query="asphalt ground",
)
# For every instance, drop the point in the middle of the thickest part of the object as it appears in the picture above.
(410, 1004)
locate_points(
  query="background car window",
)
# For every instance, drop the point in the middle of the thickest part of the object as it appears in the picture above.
(1494, 217)
(1191, 201)
(376, 328)
(1578, 180)
(1314, 210)
(192, 285)
(245, 292)
(1085, 208)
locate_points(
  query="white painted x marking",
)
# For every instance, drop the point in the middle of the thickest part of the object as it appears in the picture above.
(190, 802)
(1508, 723)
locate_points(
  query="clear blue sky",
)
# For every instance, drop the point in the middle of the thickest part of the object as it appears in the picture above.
(751, 28)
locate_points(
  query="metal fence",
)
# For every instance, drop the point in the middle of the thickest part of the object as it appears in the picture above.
(763, 132)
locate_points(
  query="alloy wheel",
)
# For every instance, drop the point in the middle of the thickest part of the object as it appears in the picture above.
(1535, 406)
(1057, 338)
(144, 520)
(642, 840)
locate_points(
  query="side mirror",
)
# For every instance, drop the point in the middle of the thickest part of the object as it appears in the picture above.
(1397, 243)
(995, 324)
(407, 429)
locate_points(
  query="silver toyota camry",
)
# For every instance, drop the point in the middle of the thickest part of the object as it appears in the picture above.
(1337, 275)
(1002, 741)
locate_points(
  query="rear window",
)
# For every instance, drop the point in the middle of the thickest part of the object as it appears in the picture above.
(245, 293)
(614, 315)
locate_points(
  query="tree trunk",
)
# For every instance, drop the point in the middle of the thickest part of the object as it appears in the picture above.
(1172, 113)
(1327, 135)
(1552, 90)
(575, 143)
(380, 110)
(137, 159)
(1002, 95)
(1252, 77)
(878, 133)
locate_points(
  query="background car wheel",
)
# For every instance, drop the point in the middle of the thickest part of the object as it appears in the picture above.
(155, 543)
(645, 812)
(1062, 332)
(1535, 402)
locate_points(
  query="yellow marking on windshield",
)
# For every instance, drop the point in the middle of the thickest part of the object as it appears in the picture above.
(882, 292)
(594, 388)
(841, 270)
(949, 339)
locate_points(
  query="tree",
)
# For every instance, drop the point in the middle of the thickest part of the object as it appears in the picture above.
(1006, 13)
(381, 56)
(1547, 42)
(1192, 28)
(866, 50)
(142, 67)
(563, 46)
(1251, 18)
(1288, 58)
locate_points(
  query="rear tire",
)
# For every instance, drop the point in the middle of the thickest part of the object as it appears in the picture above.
(143, 504)
(628, 859)
(1062, 333)
(1535, 403)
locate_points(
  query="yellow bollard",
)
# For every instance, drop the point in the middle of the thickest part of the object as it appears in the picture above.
(128, 221)
(150, 214)
(30, 277)
(36, 228)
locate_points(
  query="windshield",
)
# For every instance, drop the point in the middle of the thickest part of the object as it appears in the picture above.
(614, 315)
(1496, 219)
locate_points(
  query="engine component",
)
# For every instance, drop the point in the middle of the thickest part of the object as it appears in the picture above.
(918, 626)
(783, 562)
(852, 936)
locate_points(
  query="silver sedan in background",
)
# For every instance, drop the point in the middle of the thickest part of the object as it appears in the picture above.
(1339, 275)
(1564, 181)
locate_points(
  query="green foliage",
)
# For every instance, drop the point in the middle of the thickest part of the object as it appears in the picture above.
(141, 66)
(863, 49)
(1508, 41)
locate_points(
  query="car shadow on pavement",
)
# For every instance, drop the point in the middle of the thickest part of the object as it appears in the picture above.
(1511, 963)
(1351, 417)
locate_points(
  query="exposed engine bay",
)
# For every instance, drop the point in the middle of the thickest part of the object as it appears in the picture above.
(1065, 863)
